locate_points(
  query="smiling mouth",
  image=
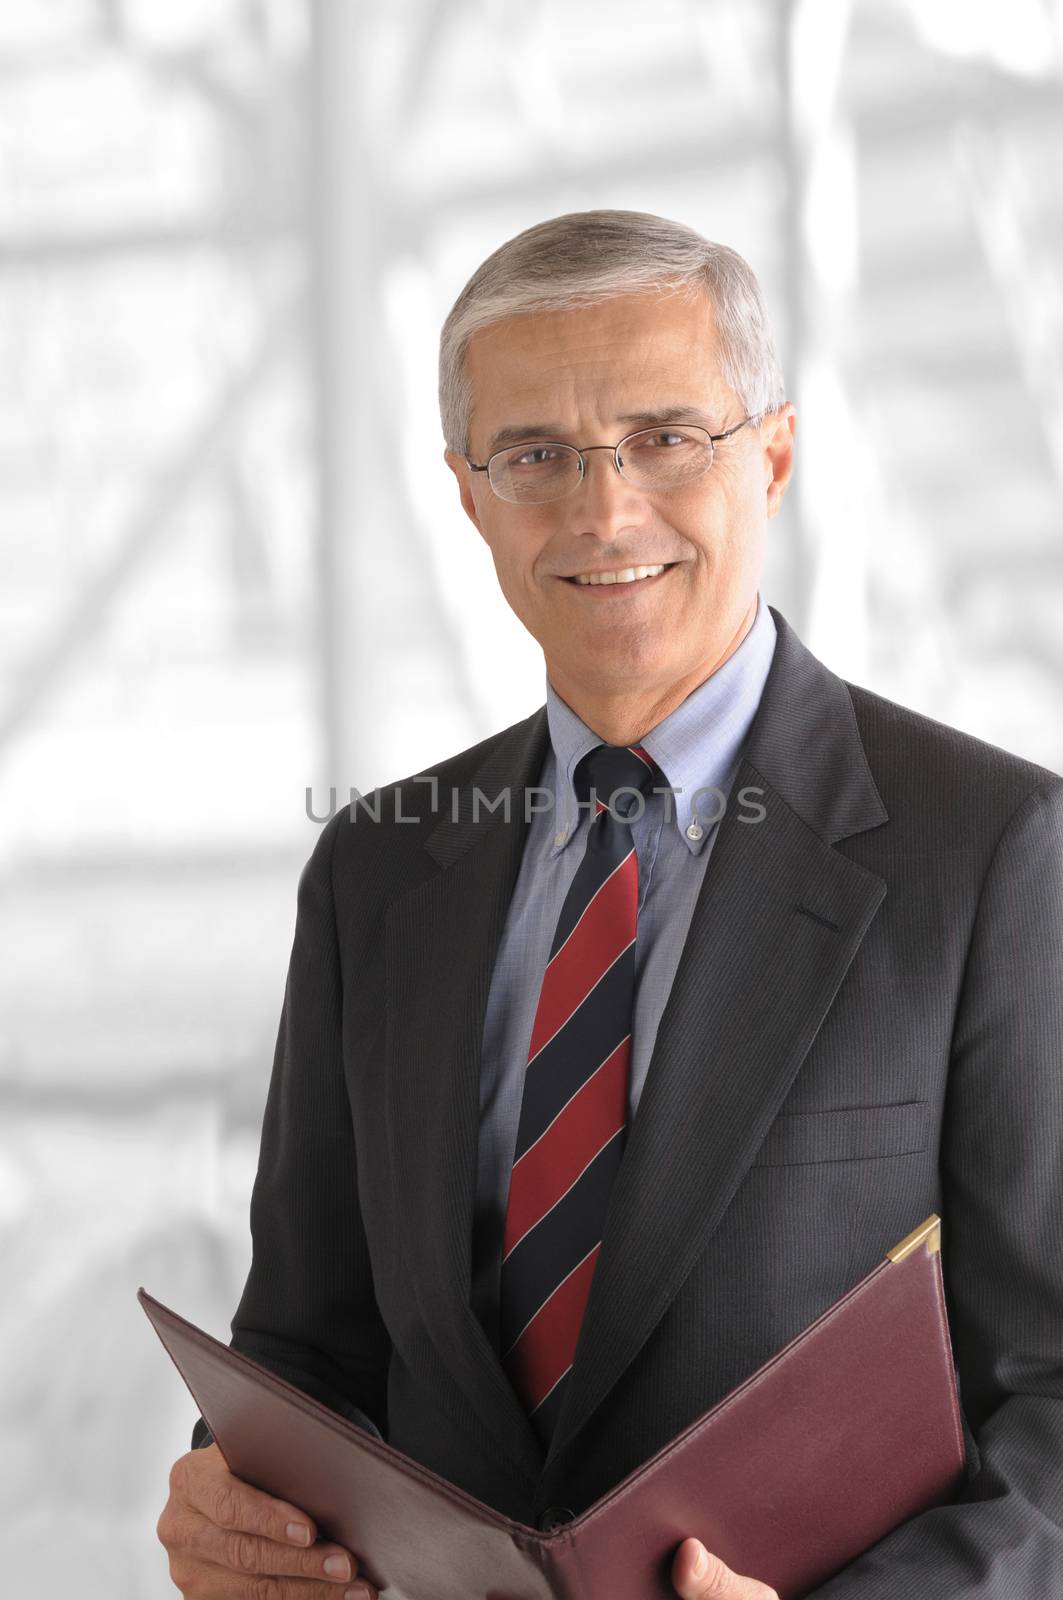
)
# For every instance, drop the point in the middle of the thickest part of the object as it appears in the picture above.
(621, 577)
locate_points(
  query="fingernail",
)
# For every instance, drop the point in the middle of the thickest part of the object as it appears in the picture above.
(361, 1593)
(338, 1566)
(699, 1564)
(298, 1533)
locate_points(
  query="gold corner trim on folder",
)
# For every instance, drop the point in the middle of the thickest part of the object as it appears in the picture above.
(930, 1231)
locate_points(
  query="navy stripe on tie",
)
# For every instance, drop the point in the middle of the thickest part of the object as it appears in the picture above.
(549, 1409)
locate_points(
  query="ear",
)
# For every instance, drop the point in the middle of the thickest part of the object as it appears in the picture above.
(459, 467)
(777, 442)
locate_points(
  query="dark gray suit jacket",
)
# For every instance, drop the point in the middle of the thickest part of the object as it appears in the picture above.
(866, 1025)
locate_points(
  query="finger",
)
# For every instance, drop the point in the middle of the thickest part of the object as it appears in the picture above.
(221, 1584)
(712, 1579)
(211, 1489)
(249, 1554)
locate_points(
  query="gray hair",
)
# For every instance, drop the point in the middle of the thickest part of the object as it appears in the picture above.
(587, 256)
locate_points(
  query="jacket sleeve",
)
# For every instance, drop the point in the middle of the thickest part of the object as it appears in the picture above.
(308, 1309)
(1002, 1245)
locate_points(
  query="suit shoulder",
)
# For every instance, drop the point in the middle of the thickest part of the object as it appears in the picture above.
(453, 772)
(407, 807)
(908, 750)
(370, 849)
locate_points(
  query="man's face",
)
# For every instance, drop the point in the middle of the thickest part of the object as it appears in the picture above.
(589, 376)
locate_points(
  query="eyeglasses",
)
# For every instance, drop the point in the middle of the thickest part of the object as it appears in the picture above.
(653, 459)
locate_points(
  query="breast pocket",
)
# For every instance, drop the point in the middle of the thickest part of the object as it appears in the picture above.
(856, 1133)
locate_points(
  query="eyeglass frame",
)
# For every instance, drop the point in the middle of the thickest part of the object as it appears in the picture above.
(713, 438)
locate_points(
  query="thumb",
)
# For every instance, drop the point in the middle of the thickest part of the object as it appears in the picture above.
(697, 1574)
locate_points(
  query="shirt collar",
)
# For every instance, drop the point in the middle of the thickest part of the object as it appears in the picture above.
(696, 746)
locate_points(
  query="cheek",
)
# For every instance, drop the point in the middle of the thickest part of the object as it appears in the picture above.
(716, 526)
(515, 555)
(700, 516)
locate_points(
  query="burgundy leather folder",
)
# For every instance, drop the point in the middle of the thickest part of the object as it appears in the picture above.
(849, 1430)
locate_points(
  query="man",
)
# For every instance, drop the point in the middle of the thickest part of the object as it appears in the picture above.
(809, 1016)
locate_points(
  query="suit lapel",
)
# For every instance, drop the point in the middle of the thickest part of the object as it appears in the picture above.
(778, 921)
(441, 940)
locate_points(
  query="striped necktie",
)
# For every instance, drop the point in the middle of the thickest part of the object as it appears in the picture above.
(573, 1115)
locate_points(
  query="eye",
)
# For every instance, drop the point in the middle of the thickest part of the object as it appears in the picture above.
(535, 455)
(666, 440)
(660, 441)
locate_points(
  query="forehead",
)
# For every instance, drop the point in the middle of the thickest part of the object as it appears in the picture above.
(622, 356)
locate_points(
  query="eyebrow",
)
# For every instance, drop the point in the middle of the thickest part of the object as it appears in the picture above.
(521, 432)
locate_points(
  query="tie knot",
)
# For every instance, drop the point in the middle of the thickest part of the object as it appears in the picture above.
(614, 770)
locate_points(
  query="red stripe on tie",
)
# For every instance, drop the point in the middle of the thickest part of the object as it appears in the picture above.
(603, 931)
(544, 1350)
(549, 1168)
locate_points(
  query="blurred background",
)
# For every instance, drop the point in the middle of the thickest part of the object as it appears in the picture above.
(233, 565)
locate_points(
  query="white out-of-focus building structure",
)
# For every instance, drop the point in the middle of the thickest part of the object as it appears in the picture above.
(233, 565)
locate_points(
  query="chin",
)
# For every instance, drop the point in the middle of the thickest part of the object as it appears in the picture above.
(620, 669)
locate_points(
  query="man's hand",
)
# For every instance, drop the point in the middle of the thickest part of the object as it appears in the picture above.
(223, 1537)
(712, 1580)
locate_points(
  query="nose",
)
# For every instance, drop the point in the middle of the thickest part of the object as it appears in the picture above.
(605, 503)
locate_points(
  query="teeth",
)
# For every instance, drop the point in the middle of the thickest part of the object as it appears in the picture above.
(625, 575)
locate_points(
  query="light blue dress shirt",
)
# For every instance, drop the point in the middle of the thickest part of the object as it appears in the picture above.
(697, 747)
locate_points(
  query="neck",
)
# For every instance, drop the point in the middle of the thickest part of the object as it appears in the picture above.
(626, 716)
